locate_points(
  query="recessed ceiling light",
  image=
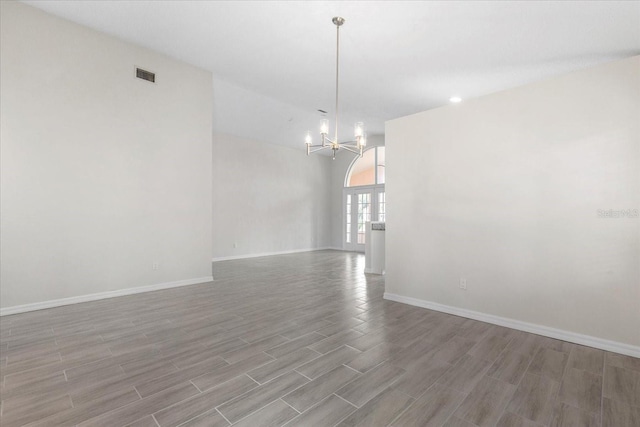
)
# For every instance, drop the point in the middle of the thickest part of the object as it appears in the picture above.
(455, 99)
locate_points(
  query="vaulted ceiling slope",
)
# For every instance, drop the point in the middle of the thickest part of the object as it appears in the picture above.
(273, 61)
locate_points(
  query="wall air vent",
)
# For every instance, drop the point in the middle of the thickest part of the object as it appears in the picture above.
(145, 75)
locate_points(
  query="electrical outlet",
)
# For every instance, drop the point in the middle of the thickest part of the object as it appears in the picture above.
(463, 283)
(155, 265)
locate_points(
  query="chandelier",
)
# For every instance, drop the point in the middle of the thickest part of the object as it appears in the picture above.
(355, 146)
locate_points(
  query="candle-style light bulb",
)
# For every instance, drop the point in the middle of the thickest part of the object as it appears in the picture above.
(359, 129)
(324, 127)
(307, 139)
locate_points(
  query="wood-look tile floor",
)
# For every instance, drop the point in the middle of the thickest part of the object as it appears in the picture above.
(297, 340)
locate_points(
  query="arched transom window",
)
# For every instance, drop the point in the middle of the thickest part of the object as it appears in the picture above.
(368, 169)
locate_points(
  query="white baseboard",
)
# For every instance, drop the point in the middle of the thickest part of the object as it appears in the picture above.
(101, 295)
(587, 340)
(295, 251)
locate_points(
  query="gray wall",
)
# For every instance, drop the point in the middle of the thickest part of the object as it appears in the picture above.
(268, 198)
(505, 191)
(103, 174)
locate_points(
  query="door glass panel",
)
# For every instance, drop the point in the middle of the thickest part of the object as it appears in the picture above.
(381, 206)
(348, 214)
(364, 215)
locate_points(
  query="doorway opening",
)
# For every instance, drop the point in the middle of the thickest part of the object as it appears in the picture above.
(363, 197)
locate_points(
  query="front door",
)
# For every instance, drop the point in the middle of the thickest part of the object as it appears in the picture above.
(360, 207)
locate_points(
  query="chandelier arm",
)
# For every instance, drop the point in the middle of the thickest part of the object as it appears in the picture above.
(350, 149)
(320, 148)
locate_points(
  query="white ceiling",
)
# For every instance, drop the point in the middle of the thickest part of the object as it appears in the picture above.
(273, 61)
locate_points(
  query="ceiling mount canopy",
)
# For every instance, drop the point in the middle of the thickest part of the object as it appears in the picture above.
(355, 146)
